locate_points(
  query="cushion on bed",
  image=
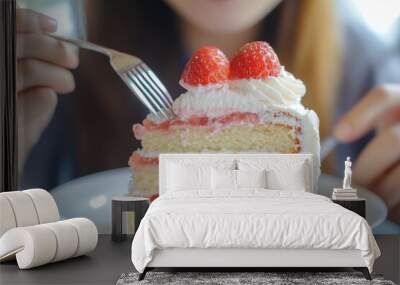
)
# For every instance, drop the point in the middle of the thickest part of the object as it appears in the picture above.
(279, 166)
(294, 180)
(251, 179)
(188, 177)
(223, 179)
(292, 173)
(281, 175)
(231, 180)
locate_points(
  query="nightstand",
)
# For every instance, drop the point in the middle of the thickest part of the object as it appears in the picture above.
(122, 206)
(358, 206)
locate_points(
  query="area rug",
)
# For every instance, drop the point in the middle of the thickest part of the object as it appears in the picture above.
(233, 278)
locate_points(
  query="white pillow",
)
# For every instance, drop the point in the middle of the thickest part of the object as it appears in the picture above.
(294, 180)
(188, 177)
(292, 175)
(251, 178)
(223, 179)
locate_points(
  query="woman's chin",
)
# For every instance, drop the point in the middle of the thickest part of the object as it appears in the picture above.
(223, 16)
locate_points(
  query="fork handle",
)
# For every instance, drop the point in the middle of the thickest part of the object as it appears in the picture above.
(83, 44)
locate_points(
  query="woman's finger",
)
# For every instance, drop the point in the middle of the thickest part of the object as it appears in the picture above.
(29, 21)
(378, 156)
(388, 188)
(366, 115)
(35, 73)
(45, 48)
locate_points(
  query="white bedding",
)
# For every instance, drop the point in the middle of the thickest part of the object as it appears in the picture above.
(250, 218)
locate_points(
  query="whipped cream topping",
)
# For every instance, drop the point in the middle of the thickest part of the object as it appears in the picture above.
(244, 95)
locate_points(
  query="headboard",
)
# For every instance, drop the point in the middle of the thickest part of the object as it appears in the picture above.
(214, 158)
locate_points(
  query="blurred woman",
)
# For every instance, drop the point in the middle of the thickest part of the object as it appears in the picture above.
(346, 71)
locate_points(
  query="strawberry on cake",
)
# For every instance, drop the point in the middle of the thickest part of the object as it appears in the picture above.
(248, 104)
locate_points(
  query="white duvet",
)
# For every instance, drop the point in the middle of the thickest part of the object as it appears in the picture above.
(250, 219)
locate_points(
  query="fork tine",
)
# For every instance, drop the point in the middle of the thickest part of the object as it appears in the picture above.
(137, 91)
(152, 89)
(160, 85)
(164, 98)
(157, 81)
(146, 91)
(143, 96)
(142, 92)
(126, 78)
(157, 84)
(157, 92)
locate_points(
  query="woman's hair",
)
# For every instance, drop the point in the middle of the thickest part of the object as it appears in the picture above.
(308, 45)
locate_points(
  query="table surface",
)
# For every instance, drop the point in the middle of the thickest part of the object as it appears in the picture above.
(110, 259)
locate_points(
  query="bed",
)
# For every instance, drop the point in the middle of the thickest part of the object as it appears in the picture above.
(200, 223)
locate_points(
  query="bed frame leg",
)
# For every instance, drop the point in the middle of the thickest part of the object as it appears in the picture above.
(364, 271)
(143, 274)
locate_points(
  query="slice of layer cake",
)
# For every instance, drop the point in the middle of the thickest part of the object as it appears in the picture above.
(250, 104)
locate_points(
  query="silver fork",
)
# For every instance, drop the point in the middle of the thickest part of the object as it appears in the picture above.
(327, 145)
(137, 75)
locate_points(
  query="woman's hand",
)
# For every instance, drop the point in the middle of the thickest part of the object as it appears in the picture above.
(378, 166)
(43, 65)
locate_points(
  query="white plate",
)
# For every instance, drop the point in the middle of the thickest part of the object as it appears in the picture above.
(375, 207)
(90, 196)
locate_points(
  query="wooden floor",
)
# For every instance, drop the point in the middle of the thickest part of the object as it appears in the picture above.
(389, 262)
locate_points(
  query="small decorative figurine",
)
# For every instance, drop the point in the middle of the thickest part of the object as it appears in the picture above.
(347, 174)
(347, 192)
